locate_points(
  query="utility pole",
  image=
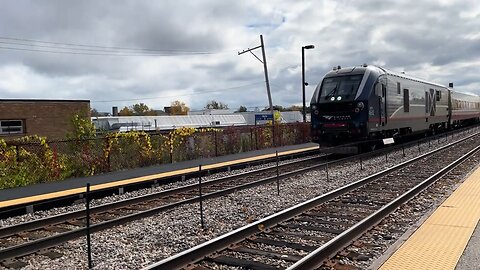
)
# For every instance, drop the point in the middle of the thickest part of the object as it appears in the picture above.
(264, 62)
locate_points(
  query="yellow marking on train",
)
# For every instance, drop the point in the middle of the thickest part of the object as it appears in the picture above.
(134, 180)
(442, 238)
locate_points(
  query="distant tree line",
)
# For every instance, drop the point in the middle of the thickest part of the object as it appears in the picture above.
(141, 109)
(137, 109)
(213, 104)
(285, 109)
(180, 108)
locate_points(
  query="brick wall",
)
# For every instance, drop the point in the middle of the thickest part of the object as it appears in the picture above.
(48, 118)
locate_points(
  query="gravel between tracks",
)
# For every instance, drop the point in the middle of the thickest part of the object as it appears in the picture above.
(115, 197)
(145, 241)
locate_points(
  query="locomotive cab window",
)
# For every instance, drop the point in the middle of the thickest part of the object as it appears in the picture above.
(399, 91)
(340, 88)
(11, 127)
(438, 95)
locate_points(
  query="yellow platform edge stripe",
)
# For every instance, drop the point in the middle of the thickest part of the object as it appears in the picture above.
(440, 241)
(57, 194)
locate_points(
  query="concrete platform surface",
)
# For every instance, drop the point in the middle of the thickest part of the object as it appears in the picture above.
(470, 259)
(442, 239)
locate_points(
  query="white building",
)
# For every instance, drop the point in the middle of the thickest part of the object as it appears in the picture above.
(147, 123)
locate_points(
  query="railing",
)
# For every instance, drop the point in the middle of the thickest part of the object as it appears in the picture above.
(24, 163)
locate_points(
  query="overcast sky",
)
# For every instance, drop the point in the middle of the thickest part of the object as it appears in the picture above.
(187, 50)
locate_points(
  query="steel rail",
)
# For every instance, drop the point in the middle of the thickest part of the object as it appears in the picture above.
(39, 223)
(194, 254)
(241, 165)
(33, 246)
(316, 258)
(189, 175)
(57, 219)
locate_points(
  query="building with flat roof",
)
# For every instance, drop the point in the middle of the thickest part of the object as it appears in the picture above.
(43, 117)
(151, 123)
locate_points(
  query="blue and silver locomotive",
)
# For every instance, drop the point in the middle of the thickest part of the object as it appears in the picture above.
(370, 102)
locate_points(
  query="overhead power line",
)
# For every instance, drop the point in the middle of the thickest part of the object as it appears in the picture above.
(98, 54)
(92, 46)
(21, 44)
(93, 50)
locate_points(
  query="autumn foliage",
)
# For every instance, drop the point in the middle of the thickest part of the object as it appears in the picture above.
(30, 160)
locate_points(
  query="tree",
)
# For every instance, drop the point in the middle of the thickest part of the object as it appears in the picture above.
(142, 109)
(277, 116)
(94, 112)
(294, 108)
(178, 108)
(125, 112)
(275, 108)
(82, 127)
(213, 104)
(242, 109)
(137, 109)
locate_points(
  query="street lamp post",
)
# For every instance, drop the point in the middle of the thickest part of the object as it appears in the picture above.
(304, 111)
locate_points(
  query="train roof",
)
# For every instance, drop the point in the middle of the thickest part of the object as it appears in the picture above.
(408, 77)
(347, 71)
(379, 70)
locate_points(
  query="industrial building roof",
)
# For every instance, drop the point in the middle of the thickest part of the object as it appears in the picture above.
(126, 123)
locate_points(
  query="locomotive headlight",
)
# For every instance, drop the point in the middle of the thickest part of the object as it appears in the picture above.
(360, 105)
(316, 112)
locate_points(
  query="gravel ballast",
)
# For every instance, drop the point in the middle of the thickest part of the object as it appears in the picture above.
(146, 241)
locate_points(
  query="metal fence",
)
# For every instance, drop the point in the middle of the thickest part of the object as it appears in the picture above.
(55, 160)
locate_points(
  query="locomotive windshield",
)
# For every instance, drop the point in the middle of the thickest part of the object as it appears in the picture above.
(340, 88)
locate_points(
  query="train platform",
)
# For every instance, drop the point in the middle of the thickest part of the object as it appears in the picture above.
(449, 238)
(76, 186)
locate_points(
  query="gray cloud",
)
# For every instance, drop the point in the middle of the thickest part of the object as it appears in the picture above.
(439, 41)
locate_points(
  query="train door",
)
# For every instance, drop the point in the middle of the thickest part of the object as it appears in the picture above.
(449, 108)
(430, 103)
(381, 91)
(378, 101)
(433, 100)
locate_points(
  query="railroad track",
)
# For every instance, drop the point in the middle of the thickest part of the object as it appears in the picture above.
(374, 247)
(306, 235)
(30, 237)
(26, 238)
(48, 204)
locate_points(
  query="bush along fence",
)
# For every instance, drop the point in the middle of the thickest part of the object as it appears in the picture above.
(33, 159)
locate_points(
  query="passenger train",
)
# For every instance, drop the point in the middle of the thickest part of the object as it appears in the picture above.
(369, 102)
